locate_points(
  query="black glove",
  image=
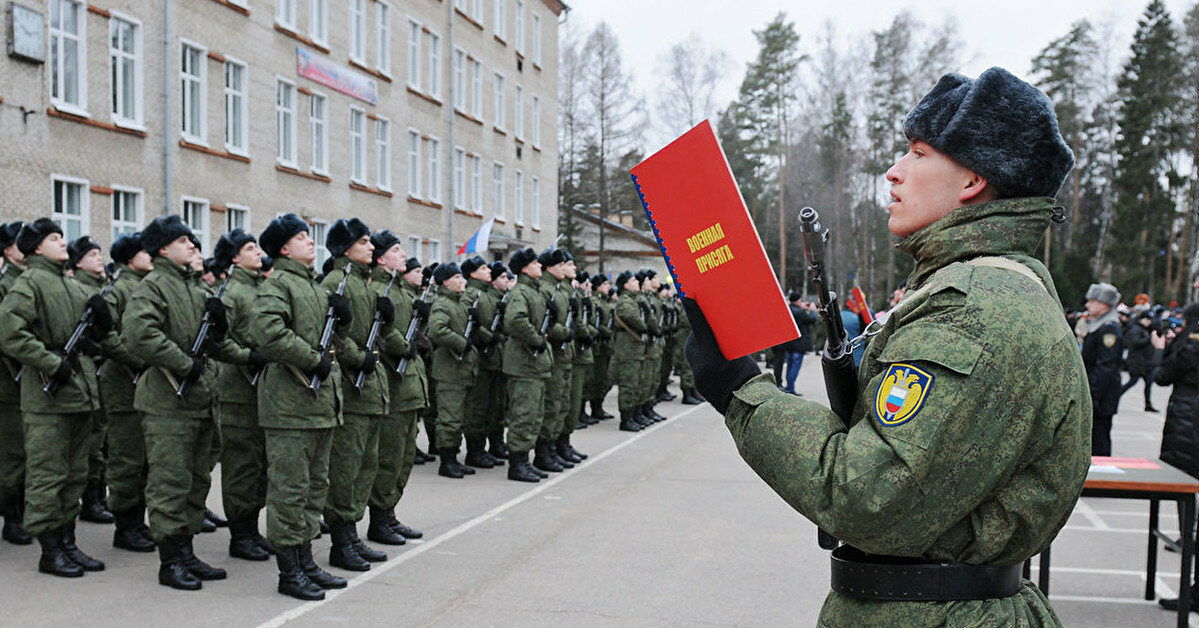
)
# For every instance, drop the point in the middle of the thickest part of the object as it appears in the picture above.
(502, 307)
(196, 369)
(473, 312)
(553, 310)
(256, 361)
(541, 346)
(715, 376)
(62, 374)
(341, 309)
(90, 346)
(101, 314)
(324, 366)
(217, 315)
(574, 303)
(386, 309)
(369, 362)
(478, 341)
(421, 308)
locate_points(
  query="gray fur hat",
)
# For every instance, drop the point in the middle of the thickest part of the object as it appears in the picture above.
(522, 258)
(8, 233)
(229, 246)
(343, 234)
(162, 231)
(32, 233)
(1104, 293)
(125, 247)
(279, 231)
(997, 125)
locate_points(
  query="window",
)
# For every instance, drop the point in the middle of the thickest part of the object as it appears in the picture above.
(414, 179)
(413, 55)
(434, 251)
(535, 202)
(125, 58)
(476, 88)
(235, 106)
(476, 184)
(536, 39)
(193, 77)
(195, 215)
(237, 217)
(433, 151)
(434, 87)
(458, 193)
(497, 183)
(285, 122)
(383, 37)
(519, 105)
(459, 84)
(320, 229)
(520, 26)
(318, 122)
(70, 206)
(537, 121)
(68, 62)
(383, 153)
(358, 30)
(499, 100)
(518, 210)
(318, 21)
(285, 13)
(126, 211)
(499, 19)
(478, 11)
(414, 246)
(357, 145)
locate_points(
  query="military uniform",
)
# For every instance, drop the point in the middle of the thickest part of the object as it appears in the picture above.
(12, 438)
(600, 381)
(527, 363)
(93, 494)
(557, 389)
(653, 352)
(968, 443)
(1102, 354)
(628, 358)
(584, 333)
(447, 328)
(483, 397)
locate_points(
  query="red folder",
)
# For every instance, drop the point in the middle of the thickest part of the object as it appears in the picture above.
(710, 244)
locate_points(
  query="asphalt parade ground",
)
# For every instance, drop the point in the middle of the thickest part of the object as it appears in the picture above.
(665, 527)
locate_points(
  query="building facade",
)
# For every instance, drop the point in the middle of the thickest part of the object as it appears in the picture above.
(427, 117)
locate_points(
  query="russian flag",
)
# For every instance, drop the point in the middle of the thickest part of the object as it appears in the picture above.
(478, 242)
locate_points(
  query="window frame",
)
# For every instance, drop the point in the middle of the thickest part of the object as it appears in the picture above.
(60, 218)
(476, 83)
(414, 58)
(476, 184)
(415, 244)
(536, 38)
(458, 79)
(320, 9)
(536, 122)
(138, 215)
(55, 48)
(535, 201)
(518, 197)
(202, 231)
(323, 168)
(519, 20)
(500, 22)
(200, 138)
(357, 19)
(434, 247)
(230, 208)
(292, 160)
(518, 117)
(434, 82)
(138, 119)
(415, 180)
(383, 37)
(433, 168)
(290, 22)
(358, 152)
(383, 154)
(497, 95)
(244, 148)
(458, 179)
(322, 251)
(497, 189)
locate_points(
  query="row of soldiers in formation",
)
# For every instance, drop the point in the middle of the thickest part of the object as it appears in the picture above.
(126, 388)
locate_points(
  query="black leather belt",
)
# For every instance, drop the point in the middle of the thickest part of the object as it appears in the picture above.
(874, 577)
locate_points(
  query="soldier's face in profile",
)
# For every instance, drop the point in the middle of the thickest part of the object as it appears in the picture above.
(181, 251)
(925, 186)
(249, 257)
(414, 277)
(533, 270)
(300, 248)
(92, 263)
(141, 261)
(361, 251)
(53, 247)
(16, 256)
(457, 283)
(394, 258)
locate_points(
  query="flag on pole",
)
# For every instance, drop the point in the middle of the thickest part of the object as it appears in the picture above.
(478, 242)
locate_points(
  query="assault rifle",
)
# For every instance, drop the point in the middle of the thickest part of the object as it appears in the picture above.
(372, 339)
(546, 321)
(497, 319)
(840, 374)
(570, 319)
(197, 350)
(71, 349)
(471, 323)
(314, 383)
(413, 325)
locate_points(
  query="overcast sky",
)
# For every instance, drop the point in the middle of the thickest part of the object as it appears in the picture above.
(1006, 33)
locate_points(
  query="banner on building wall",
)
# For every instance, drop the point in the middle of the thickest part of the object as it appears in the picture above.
(336, 77)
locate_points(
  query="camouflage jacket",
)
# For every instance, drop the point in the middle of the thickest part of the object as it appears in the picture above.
(447, 329)
(584, 328)
(604, 323)
(234, 380)
(489, 299)
(970, 440)
(351, 340)
(10, 389)
(630, 324)
(558, 291)
(522, 322)
(410, 392)
(116, 376)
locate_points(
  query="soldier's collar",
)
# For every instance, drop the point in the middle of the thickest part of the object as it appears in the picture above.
(44, 263)
(287, 264)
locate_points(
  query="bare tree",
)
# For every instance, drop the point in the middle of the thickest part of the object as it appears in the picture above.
(691, 72)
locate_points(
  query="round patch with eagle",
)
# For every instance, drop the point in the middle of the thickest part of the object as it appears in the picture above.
(901, 394)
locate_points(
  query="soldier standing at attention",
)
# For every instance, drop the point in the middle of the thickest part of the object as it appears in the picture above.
(668, 339)
(967, 448)
(408, 393)
(482, 396)
(686, 379)
(39, 313)
(501, 283)
(12, 440)
(354, 460)
(127, 466)
(583, 332)
(87, 265)
(243, 443)
(298, 421)
(628, 352)
(555, 289)
(455, 360)
(1102, 352)
(527, 364)
(160, 324)
(600, 381)
(653, 352)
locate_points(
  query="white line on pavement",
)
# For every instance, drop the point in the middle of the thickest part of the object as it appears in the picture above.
(1085, 510)
(1117, 530)
(383, 568)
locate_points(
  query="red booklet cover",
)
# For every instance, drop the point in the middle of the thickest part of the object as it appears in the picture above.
(710, 243)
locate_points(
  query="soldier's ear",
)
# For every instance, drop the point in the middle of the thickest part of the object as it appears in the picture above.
(977, 190)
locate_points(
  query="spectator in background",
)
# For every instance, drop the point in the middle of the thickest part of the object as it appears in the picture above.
(805, 316)
(1142, 356)
(1102, 349)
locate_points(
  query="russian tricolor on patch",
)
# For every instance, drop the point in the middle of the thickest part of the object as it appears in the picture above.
(902, 394)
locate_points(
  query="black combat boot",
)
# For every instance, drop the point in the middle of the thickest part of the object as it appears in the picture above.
(241, 540)
(691, 397)
(544, 460)
(13, 531)
(367, 552)
(199, 568)
(74, 553)
(575, 452)
(1171, 603)
(476, 454)
(551, 448)
(641, 417)
(519, 468)
(653, 414)
(322, 578)
(93, 507)
(598, 412)
(565, 452)
(54, 559)
(379, 531)
(664, 394)
(258, 538)
(292, 579)
(172, 572)
(128, 534)
(449, 465)
(498, 449)
(342, 553)
(215, 519)
(403, 530)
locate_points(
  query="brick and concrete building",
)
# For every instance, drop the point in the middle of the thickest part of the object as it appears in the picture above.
(427, 117)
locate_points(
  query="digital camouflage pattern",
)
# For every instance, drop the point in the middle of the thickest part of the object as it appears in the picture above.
(989, 468)
(629, 350)
(527, 371)
(447, 332)
(410, 392)
(126, 442)
(557, 389)
(12, 440)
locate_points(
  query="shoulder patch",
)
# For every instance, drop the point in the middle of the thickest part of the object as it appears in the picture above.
(901, 394)
(1109, 340)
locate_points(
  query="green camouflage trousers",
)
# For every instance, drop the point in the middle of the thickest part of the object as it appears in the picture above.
(451, 413)
(243, 464)
(600, 382)
(484, 404)
(55, 468)
(127, 467)
(12, 454)
(95, 448)
(397, 451)
(557, 400)
(650, 373)
(578, 379)
(298, 484)
(628, 383)
(668, 351)
(179, 453)
(686, 379)
(526, 409)
(353, 463)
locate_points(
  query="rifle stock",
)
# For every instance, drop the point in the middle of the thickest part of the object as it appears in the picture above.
(314, 382)
(372, 339)
(197, 349)
(413, 325)
(71, 349)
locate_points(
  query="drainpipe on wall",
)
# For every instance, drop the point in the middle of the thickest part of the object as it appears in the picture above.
(167, 174)
(449, 171)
